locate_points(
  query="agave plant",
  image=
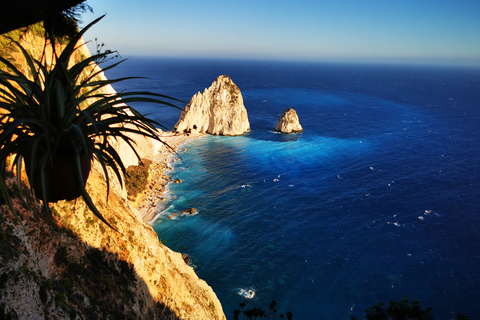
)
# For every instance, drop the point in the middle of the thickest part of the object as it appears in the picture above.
(59, 111)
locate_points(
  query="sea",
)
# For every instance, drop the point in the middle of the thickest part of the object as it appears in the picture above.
(377, 200)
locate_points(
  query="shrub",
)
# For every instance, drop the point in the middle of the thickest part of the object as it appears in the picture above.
(137, 178)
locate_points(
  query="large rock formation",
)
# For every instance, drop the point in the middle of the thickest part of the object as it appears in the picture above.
(288, 122)
(219, 110)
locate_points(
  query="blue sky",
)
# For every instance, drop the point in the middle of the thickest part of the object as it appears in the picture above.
(423, 30)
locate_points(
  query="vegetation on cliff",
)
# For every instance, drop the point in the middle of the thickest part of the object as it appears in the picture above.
(137, 178)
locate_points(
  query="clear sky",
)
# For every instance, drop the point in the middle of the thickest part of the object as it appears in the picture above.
(426, 30)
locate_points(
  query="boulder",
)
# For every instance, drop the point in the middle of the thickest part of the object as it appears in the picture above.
(288, 122)
(219, 110)
(186, 258)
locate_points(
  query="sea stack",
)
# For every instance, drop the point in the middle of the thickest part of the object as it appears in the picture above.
(288, 122)
(219, 110)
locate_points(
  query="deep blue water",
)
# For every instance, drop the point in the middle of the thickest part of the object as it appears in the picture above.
(377, 199)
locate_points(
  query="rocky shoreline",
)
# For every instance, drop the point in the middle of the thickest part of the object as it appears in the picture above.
(147, 201)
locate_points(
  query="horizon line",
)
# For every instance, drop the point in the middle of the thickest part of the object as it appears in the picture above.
(413, 61)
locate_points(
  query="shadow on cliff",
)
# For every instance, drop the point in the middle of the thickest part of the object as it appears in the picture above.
(113, 288)
(42, 262)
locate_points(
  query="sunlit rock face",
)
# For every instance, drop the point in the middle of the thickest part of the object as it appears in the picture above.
(219, 110)
(288, 122)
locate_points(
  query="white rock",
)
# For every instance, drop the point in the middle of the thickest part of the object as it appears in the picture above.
(288, 122)
(219, 110)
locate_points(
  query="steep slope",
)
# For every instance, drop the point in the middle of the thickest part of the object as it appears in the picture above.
(72, 266)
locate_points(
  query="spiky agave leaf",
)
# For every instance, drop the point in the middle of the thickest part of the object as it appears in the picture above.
(44, 113)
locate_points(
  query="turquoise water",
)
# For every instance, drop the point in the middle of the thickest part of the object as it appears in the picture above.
(377, 199)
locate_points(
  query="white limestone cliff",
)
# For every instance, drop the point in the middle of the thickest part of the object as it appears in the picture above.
(219, 110)
(288, 122)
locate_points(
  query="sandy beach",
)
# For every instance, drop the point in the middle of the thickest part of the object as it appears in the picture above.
(158, 178)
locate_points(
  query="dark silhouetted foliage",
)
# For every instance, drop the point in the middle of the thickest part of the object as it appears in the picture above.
(401, 310)
(257, 313)
(17, 14)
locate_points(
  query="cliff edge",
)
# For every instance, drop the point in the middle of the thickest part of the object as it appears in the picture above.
(72, 266)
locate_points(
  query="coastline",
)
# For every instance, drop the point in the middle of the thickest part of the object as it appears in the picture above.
(147, 201)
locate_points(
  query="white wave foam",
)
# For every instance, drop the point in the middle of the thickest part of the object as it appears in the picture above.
(396, 224)
(428, 213)
(248, 293)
